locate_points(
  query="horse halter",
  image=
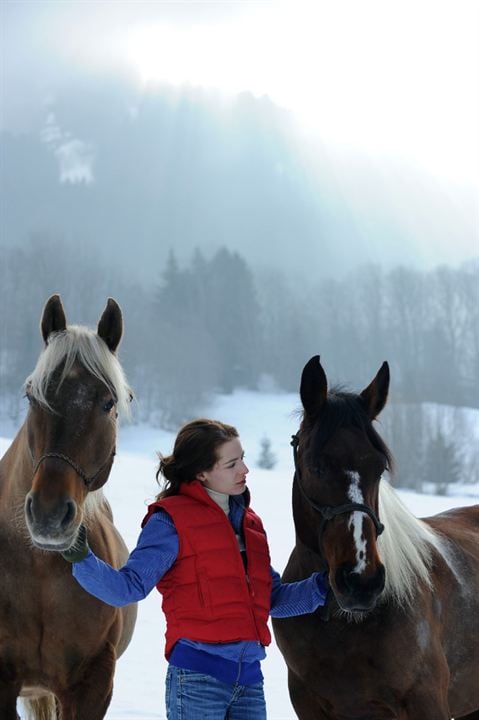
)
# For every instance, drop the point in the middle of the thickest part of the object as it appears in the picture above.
(79, 471)
(329, 512)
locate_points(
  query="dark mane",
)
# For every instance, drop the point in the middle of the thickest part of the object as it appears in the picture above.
(345, 409)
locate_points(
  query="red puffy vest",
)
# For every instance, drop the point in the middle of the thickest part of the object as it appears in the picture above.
(207, 595)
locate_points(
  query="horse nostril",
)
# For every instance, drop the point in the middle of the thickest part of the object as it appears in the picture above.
(350, 579)
(381, 578)
(69, 514)
(29, 508)
(355, 582)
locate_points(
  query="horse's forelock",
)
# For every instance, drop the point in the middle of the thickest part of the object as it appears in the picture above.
(80, 344)
(344, 409)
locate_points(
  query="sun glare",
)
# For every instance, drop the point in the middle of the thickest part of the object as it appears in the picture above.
(196, 56)
(358, 74)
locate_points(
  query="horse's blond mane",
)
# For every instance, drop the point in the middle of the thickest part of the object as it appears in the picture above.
(405, 547)
(95, 503)
(79, 344)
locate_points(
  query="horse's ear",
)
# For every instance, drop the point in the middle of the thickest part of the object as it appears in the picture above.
(314, 387)
(376, 394)
(53, 318)
(110, 326)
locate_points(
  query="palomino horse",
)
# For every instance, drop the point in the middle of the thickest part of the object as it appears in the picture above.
(399, 637)
(58, 644)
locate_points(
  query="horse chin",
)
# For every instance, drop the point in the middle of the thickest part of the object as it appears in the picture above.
(349, 616)
(53, 544)
(357, 609)
(49, 547)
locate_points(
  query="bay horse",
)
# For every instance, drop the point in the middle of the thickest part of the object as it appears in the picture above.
(399, 635)
(58, 644)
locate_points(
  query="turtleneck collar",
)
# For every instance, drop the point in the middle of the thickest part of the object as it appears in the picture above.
(220, 499)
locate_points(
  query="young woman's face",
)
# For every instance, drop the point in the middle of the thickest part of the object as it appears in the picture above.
(228, 474)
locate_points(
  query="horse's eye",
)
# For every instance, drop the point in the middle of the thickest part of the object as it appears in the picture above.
(319, 468)
(108, 405)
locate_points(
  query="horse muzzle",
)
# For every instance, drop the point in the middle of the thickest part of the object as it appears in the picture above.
(52, 526)
(356, 592)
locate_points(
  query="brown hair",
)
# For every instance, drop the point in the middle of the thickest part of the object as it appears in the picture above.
(195, 450)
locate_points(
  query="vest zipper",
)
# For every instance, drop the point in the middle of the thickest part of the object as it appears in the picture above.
(246, 576)
(250, 587)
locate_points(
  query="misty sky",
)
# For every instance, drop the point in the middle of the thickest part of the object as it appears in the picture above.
(392, 80)
(399, 78)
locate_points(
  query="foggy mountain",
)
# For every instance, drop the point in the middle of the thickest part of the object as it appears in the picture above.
(129, 174)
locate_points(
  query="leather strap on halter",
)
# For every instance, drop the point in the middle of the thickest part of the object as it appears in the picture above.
(79, 471)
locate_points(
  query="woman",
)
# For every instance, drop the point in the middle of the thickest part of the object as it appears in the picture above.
(206, 551)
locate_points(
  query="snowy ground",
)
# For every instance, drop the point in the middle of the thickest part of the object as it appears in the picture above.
(139, 683)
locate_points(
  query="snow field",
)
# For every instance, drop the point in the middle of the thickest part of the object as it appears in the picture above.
(140, 674)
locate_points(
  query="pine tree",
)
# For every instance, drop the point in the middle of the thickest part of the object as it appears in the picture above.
(443, 467)
(182, 364)
(233, 320)
(266, 459)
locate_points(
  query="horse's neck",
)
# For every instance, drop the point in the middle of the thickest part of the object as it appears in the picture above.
(15, 470)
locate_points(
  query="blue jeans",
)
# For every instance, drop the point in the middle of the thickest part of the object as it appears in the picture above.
(194, 696)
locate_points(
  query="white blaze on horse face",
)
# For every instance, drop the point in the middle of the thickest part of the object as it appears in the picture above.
(356, 521)
(80, 400)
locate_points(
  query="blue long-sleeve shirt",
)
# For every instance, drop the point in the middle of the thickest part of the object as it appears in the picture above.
(155, 553)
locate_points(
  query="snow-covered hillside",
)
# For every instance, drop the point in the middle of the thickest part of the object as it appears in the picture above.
(139, 684)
